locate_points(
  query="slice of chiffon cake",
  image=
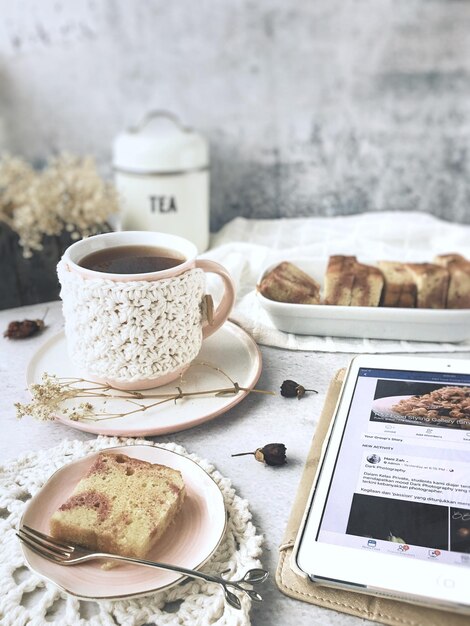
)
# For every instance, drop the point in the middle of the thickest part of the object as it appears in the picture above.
(399, 287)
(339, 279)
(431, 285)
(458, 293)
(121, 506)
(350, 283)
(288, 283)
(368, 285)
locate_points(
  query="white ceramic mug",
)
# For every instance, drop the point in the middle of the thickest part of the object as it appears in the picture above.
(138, 331)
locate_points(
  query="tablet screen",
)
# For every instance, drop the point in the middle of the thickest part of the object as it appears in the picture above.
(401, 483)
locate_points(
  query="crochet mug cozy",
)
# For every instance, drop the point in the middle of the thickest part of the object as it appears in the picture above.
(137, 331)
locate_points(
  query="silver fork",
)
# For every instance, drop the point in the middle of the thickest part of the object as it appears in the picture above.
(70, 554)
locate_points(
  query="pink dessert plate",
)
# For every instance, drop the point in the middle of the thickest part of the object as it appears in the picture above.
(230, 350)
(190, 541)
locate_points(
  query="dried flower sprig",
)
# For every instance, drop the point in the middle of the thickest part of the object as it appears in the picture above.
(271, 454)
(291, 389)
(67, 195)
(54, 396)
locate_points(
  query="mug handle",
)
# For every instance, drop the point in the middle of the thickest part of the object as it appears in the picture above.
(223, 310)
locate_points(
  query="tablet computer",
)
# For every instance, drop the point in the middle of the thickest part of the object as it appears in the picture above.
(389, 511)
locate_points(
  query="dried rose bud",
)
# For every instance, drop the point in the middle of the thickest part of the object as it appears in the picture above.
(271, 454)
(291, 389)
(23, 329)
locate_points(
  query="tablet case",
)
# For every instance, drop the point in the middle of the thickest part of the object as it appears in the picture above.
(382, 610)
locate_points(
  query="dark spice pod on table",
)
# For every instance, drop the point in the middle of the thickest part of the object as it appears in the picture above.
(23, 329)
(291, 389)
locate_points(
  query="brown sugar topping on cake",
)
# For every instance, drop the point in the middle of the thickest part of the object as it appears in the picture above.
(102, 463)
(90, 499)
(99, 466)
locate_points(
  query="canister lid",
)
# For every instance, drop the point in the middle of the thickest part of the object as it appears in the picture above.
(160, 144)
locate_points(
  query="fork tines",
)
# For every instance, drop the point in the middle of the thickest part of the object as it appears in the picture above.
(44, 545)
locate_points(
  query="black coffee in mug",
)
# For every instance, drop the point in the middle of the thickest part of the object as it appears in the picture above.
(131, 260)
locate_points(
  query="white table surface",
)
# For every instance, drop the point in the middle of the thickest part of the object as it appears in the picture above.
(256, 421)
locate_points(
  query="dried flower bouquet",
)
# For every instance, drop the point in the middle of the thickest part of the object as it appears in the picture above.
(67, 195)
(41, 213)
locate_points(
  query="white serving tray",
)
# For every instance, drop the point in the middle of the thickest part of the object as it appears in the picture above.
(450, 325)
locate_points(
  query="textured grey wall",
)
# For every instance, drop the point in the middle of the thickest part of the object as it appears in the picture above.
(323, 107)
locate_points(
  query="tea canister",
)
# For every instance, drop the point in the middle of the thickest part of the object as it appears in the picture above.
(161, 171)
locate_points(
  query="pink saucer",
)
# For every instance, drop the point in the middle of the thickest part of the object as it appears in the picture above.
(231, 349)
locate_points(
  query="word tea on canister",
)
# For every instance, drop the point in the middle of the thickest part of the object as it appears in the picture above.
(162, 177)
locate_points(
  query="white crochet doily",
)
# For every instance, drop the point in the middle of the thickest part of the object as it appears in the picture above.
(27, 599)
